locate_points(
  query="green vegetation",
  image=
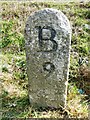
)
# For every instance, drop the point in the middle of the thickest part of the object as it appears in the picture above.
(14, 89)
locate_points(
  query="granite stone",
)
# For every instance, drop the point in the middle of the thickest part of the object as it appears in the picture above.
(48, 39)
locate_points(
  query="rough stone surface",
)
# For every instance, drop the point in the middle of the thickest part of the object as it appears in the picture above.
(48, 36)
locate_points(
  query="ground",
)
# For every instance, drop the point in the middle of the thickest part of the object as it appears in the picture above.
(14, 90)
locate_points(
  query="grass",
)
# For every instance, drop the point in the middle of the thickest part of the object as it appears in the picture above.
(14, 81)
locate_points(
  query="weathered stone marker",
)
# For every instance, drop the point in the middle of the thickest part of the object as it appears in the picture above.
(48, 36)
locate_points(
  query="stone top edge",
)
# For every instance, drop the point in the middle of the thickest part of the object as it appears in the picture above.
(51, 11)
(48, 10)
